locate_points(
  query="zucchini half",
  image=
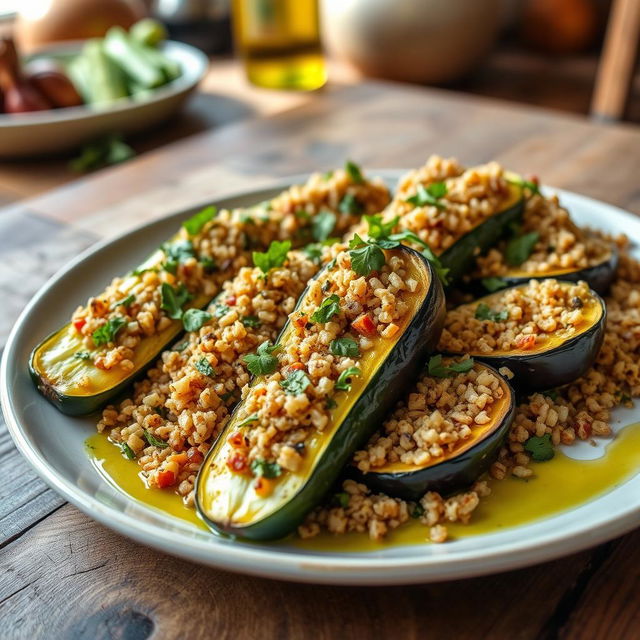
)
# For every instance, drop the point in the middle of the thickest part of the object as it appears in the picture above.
(77, 387)
(227, 501)
(558, 360)
(460, 257)
(459, 468)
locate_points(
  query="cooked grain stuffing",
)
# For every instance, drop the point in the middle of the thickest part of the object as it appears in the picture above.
(520, 318)
(210, 248)
(185, 400)
(346, 310)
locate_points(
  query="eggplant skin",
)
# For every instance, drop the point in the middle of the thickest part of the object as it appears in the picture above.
(451, 474)
(380, 394)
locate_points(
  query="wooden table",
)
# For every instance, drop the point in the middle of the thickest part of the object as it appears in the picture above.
(64, 576)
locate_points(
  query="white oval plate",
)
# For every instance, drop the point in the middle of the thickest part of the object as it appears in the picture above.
(41, 132)
(54, 445)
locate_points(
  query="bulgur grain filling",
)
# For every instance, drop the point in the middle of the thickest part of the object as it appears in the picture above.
(536, 316)
(337, 324)
(438, 419)
(208, 250)
(560, 246)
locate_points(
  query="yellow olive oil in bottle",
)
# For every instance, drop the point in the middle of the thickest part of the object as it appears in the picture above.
(279, 41)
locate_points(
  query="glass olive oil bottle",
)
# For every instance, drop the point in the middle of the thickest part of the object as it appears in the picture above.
(279, 41)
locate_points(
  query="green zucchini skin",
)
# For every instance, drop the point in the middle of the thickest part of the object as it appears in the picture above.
(379, 395)
(460, 257)
(538, 371)
(450, 475)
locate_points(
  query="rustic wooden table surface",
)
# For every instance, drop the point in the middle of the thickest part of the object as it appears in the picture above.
(64, 576)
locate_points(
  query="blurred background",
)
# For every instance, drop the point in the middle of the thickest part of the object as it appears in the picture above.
(263, 56)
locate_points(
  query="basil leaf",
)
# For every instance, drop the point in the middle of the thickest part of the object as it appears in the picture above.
(153, 441)
(196, 222)
(262, 468)
(494, 283)
(194, 319)
(328, 308)
(343, 383)
(540, 447)
(262, 362)
(519, 249)
(125, 302)
(203, 366)
(345, 347)
(295, 383)
(349, 204)
(107, 332)
(483, 312)
(173, 299)
(354, 172)
(323, 225)
(273, 257)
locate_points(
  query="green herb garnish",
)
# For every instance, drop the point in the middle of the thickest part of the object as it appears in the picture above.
(220, 310)
(429, 195)
(340, 499)
(107, 332)
(196, 222)
(125, 302)
(484, 312)
(354, 172)
(252, 418)
(208, 264)
(540, 447)
(273, 257)
(343, 383)
(330, 404)
(262, 468)
(327, 175)
(437, 369)
(528, 184)
(323, 225)
(105, 152)
(173, 299)
(494, 283)
(194, 319)
(365, 256)
(253, 322)
(181, 346)
(262, 362)
(203, 366)
(417, 511)
(328, 308)
(153, 441)
(345, 347)
(379, 229)
(295, 383)
(520, 248)
(177, 253)
(349, 204)
(82, 355)
(128, 451)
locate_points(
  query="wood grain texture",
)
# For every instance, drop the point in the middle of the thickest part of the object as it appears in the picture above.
(64, 576)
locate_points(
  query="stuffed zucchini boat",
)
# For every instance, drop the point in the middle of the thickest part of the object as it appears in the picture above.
(443, 435)
(547, 332)
(360, 329)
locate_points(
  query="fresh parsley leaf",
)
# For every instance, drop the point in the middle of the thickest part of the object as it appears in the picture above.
(330, 404)
(208, 264)
(178, 251)
(349, 204)
(345, 347)
(196, 222)
(484, 312)
(203, 366)
(246, 218)
(343, 383)
(295, 383)
(194, 319)
(173, 299)
(528, 184)
(220, 310)
(125, 302)
(520, 248)
(365, 256)
(540, 447)
(313, 251)
(104, 152)
(341, 499)
(262, 362)
(328, 308)
(82, 355)
(323, 225)
(107, 332)
(409, 236)
(252, 418)
(181, 346)
(379, 229)
(494, 284)
(140, 270)
(429, 195)
(417, 511)
(354, 172)
(153, 441)
(273, 257)
(262, 468)
(437, 369)
(128, 451)
(253, 322)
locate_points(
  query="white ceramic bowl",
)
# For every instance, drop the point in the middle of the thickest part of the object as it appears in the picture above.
(45, 132)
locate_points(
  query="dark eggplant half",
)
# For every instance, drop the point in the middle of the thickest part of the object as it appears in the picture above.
(227, 501)
(459, 468)
(559, 360)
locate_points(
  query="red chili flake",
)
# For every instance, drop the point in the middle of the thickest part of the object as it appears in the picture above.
(238, 463)
(165, 479)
